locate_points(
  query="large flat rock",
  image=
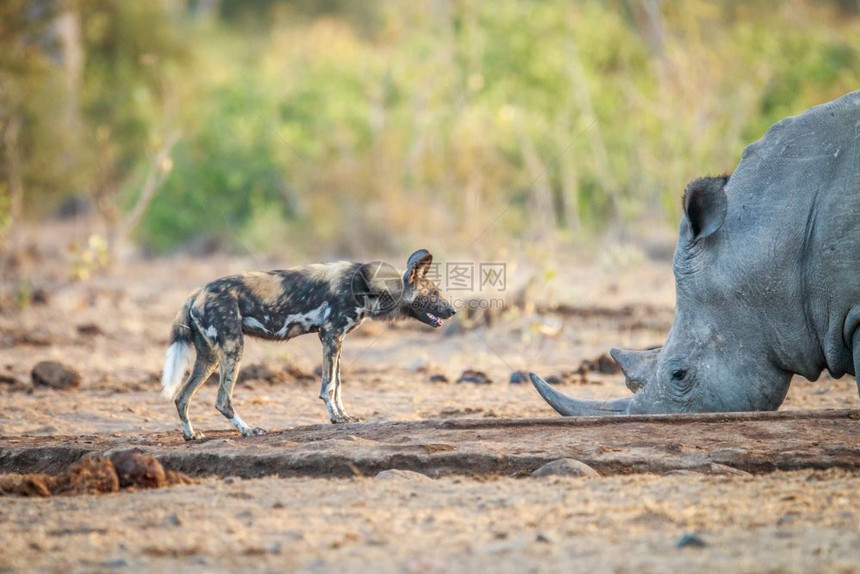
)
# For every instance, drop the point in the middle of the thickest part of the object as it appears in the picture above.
(752, 442)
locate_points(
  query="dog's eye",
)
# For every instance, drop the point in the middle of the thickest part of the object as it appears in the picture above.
(679, 374)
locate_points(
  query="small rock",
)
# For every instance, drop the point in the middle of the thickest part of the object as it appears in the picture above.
(282, 373)
(607, 365)
(417, 365)
(87, 476)
(565, 467)
(138, 469)
(545, 538)
(396, 473)
(716, 468)
(438, 378)
(554, 380)
(8, 379)
(55, 375)
(37, 337)
(173, 520)
(118, 563)
(691, 540)
(274, 548)
(473, 376)
(175, 477)
(518, 377)
(603, 364)
(255, 372)
(25, 484)
(89, 330)
(39, 296)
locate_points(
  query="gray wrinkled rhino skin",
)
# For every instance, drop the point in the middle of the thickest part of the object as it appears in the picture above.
(767, 275)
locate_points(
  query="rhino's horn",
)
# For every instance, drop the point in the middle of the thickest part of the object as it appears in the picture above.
(570, 407)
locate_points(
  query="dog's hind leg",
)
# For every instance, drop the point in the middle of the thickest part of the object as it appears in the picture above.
(230, 364)
(231, 360)
(204, 366)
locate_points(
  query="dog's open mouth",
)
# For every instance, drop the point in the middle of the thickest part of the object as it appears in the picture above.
(434, 320)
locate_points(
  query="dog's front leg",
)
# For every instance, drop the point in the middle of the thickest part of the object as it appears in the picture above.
(338, 403)
(332, 345)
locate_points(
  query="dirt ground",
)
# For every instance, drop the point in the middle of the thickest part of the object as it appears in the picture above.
(113, 330)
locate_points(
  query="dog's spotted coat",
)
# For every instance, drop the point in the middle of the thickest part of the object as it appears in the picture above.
(329, 299)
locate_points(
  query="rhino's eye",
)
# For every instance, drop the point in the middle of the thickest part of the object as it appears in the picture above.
(679, 374)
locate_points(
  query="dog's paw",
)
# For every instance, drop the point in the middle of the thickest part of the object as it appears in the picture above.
(343, 419)
(257, 431)
(196, 435)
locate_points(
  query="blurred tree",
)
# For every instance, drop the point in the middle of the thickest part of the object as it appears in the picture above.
(24, 66)
(132, 50)
(333, 127)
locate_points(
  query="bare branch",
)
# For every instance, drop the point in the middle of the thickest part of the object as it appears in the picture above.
(158, 172)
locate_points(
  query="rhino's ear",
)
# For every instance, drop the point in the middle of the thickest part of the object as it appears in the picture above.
(705, 205)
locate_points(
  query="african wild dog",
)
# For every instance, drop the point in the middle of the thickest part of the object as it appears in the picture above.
(330, 299)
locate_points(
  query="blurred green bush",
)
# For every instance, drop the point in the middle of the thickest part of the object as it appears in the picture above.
(336, 128)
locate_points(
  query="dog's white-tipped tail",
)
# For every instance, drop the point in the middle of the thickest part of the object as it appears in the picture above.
(179, 355)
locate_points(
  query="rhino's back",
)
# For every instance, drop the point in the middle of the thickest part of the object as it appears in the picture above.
(794, 201)
(792, 228)
(841, 112)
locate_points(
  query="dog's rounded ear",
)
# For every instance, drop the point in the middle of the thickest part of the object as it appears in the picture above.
(417, 266)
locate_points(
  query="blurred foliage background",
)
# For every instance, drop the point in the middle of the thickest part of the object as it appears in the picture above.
(335, 128)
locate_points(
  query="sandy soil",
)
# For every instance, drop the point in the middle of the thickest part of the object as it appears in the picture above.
(790, 522)
(113, 330)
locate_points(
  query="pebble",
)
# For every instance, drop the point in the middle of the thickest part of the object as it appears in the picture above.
(473, 376)
(545, 538)
(565, 467)
(55, 375)
(692, 540)
(396, 473)
(417, 365)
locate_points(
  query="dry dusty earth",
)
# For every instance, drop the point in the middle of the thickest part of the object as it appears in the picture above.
(772, 493)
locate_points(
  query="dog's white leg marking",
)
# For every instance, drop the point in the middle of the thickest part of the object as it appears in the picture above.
(237, 422)
(328, 390)
(338, 402)
(336, 375)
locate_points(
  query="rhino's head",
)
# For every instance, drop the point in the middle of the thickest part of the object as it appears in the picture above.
(718, 357)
